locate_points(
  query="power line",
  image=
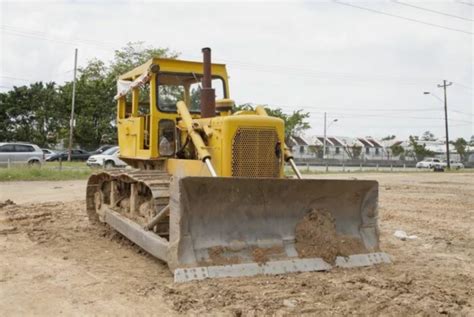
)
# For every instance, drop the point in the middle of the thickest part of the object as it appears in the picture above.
(29, 80)
(364, 112)
(466, 3)
(465, 113)
(10, 28)
(238, 64)
(324, 78)
(16, 78)
(410, 126)
(364, 109)
(464, 87)
(373, 112)
(295, 71)
(402, 17)
(47, 38)
(349, 116)
(432, 11)
(304, 70)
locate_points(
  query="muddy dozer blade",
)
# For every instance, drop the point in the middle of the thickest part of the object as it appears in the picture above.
(240, 226)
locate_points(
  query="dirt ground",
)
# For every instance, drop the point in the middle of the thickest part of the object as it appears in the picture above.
(42, 191)
(53, 261)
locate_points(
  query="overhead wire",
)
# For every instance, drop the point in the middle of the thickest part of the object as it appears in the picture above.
(471, 90)
(430, 10)
(354, 79)
(402, 17)
(465, 3)
(46, 37)
(419, 127)
(349, 116)
(257, 67)
(364, 109)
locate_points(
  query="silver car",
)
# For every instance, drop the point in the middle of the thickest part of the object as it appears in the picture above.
(13, 153)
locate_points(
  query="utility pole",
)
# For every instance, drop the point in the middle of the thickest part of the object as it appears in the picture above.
(71, 122)
(324, 141)
(444, 85)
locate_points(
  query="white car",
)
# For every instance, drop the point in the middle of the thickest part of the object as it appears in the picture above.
(48, 153)
(429, 163)
(108, 159)
(454, 165)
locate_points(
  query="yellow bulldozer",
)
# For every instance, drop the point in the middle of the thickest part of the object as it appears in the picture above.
(207, 191)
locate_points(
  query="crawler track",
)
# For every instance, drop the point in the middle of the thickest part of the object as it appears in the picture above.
(137, 195)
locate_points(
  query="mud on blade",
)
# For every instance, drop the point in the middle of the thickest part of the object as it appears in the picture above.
(229, 221)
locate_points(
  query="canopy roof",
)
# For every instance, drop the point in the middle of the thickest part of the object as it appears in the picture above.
(175, 66)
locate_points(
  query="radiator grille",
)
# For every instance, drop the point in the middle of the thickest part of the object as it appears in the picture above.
(253, 153)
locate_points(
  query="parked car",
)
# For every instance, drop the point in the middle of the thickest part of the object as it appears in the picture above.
(48, 153)
(76, 155)
(454, 164)
(108, 159)
(20, 153)
(429, 163)
(102, 149)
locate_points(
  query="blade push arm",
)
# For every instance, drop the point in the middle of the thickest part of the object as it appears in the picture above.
(203, 154)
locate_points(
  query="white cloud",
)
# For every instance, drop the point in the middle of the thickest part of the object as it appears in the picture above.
(320, 56)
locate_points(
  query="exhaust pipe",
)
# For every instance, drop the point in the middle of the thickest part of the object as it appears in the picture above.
(208, 95)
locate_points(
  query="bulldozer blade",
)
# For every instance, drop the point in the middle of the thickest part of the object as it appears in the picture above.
(240, 226)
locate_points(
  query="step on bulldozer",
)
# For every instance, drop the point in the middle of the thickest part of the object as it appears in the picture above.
(207, 192)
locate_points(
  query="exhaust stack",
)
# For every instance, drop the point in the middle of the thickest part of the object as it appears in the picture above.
(208, 95)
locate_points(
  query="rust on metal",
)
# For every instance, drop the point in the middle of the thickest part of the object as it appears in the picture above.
(208, 95)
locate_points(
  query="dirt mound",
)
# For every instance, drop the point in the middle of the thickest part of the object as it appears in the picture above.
(316, 236)
(66, 266)
(263, 255)
(5, 203)
(217, 256)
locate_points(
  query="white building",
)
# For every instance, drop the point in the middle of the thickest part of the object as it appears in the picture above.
(369, 148)
(301, 148)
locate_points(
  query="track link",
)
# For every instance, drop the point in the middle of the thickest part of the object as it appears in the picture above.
(138, 195)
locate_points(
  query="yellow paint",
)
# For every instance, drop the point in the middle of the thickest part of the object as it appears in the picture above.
(219, 131)
(181, 168)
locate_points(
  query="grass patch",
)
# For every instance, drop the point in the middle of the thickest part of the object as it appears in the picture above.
(42, 174)
(73, 164)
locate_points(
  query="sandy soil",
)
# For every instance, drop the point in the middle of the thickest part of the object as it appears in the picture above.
(53, 261)
(43, 191)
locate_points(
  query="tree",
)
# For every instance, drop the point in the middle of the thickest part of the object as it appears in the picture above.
(353, 151)
(397, 149)
(317, 150)
(96, 88)
(134, 54)
(472, 140)
(31, 114)
(460, 145)
(95, 111)
(39, 113)
(419, 151)
(5, 123)
(428, 136)
(295, 123)
(389, 137)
